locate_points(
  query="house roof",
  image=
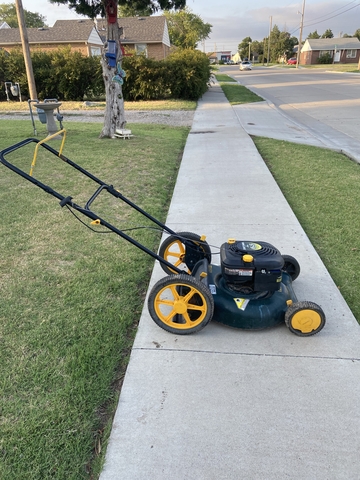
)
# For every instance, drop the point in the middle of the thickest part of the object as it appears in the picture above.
(135, 30)
(140, 29)
(330, 44)
(73, 31)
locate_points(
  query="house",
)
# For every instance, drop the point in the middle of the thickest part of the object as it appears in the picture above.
(225, 56)
(212, 57)
(81, 35)
(216, 57)
(342, 50)
(148, 35)
(236, 58)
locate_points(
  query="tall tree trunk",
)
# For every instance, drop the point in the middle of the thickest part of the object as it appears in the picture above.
(114, 118)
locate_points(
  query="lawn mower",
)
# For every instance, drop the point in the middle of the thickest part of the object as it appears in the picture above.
(250, 289)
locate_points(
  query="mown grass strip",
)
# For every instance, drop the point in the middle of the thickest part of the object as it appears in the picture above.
(322, 188)
(220, 77)
(238, 94)
(71, 298)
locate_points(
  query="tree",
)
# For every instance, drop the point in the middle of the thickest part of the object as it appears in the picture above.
(313, 34)
(114, 118)
(186, 29)
(129, 11)
(357, 33)
(327, 34)
(281, 45)
(243, 47)
(8, 15)
(257, 48)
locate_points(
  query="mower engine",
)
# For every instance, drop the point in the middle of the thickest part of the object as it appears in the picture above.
(249, 267)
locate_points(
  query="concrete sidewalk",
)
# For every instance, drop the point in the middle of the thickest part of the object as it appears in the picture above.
(268, 120)
(228, 403)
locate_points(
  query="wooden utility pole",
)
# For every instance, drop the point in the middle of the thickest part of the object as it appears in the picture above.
(300, 35)
(26, 49)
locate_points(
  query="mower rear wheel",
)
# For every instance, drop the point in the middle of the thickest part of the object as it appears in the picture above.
(180, 304)
(291, 266)
(305, 318)
(173, 251)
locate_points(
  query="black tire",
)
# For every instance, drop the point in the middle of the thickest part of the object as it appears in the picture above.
(305, 318)
(173, 251)
(291, 266)
(180, 304)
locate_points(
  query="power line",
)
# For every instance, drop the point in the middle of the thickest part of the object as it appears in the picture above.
(330, 13)
(329, 18)
(314, 22)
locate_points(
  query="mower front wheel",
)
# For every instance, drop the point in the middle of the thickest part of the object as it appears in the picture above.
(180, 304)
(305, 318)
(173, 250)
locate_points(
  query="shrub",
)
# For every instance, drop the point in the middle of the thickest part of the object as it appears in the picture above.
(146, 79)
(61, 74)
(74, 75)
(13, 70)
(326, 58)
(184, 75)
(190, 73)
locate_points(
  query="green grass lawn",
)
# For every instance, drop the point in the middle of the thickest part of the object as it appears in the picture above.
(220, 77)
(341, 67)
(71, 298)
(238, 94)
(322, 187)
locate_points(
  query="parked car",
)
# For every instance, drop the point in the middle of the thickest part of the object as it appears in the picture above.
(292, 61)
(245, 65)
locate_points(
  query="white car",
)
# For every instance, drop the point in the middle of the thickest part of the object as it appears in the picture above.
(245, 65)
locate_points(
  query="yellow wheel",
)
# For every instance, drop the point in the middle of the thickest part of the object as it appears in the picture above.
(180, 304)
(305, 318)
(174, 248)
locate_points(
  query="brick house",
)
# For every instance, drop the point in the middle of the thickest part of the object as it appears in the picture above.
(147, 35)
(81, 35)
(342, 50)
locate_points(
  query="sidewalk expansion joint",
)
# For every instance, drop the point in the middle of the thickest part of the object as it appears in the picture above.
(244, 354)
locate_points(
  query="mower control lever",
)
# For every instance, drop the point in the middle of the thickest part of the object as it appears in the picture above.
(65, 201)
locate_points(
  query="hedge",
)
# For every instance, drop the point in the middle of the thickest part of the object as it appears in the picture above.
(61, 74)
(68, 75)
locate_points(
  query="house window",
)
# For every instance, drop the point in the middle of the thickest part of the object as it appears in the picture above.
(94, 51)
(350, 53)
(141, 48)
(326, 52)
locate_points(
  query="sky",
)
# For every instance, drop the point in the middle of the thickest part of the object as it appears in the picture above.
(233, 20)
